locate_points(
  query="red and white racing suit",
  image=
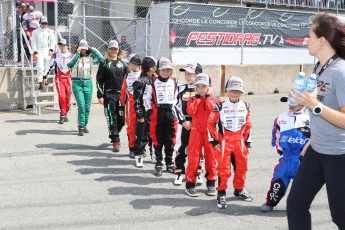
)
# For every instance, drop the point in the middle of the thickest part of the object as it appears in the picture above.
(234, 126)
(161, 97)
(127, 101)
(200, 109)
(62, 79)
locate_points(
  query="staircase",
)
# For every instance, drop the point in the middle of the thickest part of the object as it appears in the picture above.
(38, 98)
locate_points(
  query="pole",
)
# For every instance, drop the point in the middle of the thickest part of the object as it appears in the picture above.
(2, 36)
(242, 42)
(84, 21)
(14, 32)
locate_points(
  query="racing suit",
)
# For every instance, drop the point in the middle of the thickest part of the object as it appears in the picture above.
(127, 99)
(233, 135)
(62, 79)
(110, 77)
(43, 42)
(200, 109)
(82, 82)
(289, 135)
(185, 92)
(160, 97)
(142, 129)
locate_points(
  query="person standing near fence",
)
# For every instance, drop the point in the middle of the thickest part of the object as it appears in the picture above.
(111, 72)
(125, 46)
(62, 78)
(324, 160)
(43, 46)
(81, 65)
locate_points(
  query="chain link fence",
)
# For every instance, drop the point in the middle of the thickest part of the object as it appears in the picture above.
(99, 21)
(7, 35)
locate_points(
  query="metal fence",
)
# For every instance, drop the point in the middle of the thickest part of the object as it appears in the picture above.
(7, 33)
(99, 21)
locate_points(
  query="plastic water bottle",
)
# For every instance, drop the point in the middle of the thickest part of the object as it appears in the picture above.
(298, 84)
(311, 83)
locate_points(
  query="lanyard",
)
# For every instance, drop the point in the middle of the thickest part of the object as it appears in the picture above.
(325, 66)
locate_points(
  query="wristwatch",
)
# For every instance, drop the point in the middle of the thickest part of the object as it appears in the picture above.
(317, 109)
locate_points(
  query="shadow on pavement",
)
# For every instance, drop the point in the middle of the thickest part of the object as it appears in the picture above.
(58, 146)
(32, 121)
(126, 171)
(96, 162)
(48, 132)
(134, 180)
(143, 191)
(201, 206)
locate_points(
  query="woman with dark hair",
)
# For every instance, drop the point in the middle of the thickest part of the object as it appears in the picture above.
(324, 161)
(110, 75)
(82, 81)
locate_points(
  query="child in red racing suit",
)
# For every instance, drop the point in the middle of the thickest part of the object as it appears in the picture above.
(231, 141)
(199, 108)
(127, 100)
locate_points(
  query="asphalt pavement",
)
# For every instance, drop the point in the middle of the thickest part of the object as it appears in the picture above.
(51, 178)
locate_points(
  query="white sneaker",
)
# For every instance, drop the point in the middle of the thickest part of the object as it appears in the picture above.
(153, 158)
(139, 161)
(179, 178)
(199, 180)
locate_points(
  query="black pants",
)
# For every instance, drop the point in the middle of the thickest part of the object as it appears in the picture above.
(181, 155)
(142, 131)
(111, 111)
(316, 170)
(165, 135)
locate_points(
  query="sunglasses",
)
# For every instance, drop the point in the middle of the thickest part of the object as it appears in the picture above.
(44, 23)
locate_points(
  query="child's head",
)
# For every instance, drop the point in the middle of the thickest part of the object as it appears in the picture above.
(134, 63)
(190, 72)
(202, 84)
(165, 67)
(292, 108)
(234, 88)
(149, 65)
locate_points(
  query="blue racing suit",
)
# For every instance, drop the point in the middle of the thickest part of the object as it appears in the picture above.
(290, 133)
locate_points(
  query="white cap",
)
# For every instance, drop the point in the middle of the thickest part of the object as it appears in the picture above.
(164, 63)
(43, 19)
(192, 68)
(113, 44)
(83, 44)
(203, 79)
(62, 42)
(234, 83)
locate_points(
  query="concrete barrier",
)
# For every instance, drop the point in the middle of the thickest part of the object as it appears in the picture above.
(11, 89)
(258, 79)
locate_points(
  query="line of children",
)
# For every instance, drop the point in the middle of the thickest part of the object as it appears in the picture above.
(156, 105)
(231, 140)
(200, 108)
(290, 139)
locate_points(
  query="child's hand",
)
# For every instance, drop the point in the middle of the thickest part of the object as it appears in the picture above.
(248, 150)
(187, 125)
(217, 147)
